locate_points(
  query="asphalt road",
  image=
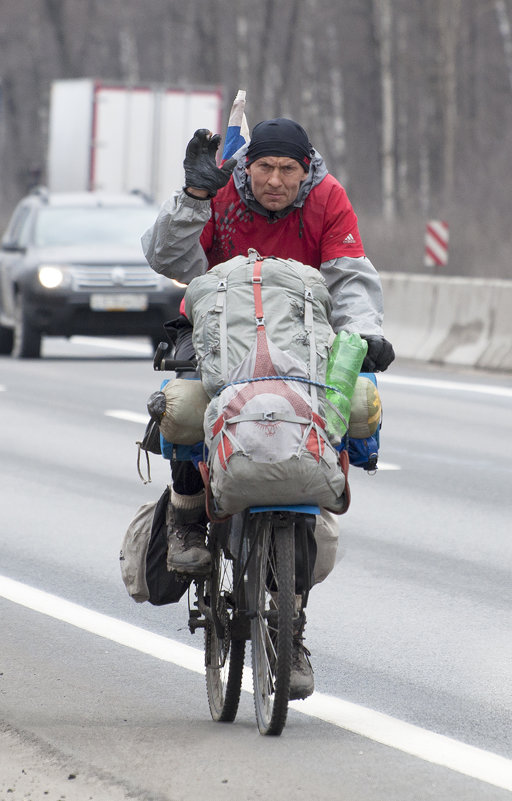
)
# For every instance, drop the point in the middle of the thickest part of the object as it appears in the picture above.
(410, 635)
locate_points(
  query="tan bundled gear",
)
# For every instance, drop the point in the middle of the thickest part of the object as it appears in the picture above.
(185, 405)
(365, 409)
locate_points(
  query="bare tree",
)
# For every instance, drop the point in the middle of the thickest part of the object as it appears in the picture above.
(242, 50)
(506, 34)
(403, 116)
(384, 26)
(336, 135)
(449, 27)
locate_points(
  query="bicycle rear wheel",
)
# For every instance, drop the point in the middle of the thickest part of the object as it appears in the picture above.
(224, 655)
(272, 579)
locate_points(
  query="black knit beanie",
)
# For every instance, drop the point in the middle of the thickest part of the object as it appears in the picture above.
(279, 137)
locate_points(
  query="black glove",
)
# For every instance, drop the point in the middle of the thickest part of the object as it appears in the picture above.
(379, 356)
(201, 171)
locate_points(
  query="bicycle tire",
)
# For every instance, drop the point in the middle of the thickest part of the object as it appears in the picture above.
(272, 581)
(224, 656)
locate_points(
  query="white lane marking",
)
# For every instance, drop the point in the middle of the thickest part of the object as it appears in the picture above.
(113, 344)
(388, 466)
(123, 414)
(426, 745)
(452, 386)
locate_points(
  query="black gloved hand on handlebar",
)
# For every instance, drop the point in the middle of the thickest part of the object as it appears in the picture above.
(201, 171)
(379, 356)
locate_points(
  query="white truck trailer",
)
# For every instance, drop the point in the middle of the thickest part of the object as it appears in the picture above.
(115, 138)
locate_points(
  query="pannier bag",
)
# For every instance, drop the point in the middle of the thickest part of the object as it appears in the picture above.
(266, 439)
(143, 557)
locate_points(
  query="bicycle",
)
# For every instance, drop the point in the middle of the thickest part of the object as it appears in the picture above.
(257, 591)
(251, 594)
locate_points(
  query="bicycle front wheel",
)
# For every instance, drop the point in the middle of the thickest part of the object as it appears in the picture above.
(272, 576)
(224, 654)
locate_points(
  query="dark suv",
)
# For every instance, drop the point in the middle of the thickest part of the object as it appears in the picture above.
(73, 264)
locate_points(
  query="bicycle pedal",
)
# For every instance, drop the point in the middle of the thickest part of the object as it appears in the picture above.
(195, 621)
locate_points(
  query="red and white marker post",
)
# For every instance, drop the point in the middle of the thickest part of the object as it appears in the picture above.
(437, 237)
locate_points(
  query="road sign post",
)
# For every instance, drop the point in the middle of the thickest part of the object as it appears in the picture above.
(437, 236)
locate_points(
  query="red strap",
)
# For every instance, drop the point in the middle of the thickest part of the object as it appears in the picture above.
(263, 364)
(319, 420)
(205, 475)
(224, 448)
(218, 425)
(344, 464)
(256, 283)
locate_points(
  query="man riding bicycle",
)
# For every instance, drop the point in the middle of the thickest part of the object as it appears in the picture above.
(276, 197)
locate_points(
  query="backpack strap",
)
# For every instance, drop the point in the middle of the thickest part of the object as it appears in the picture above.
(263, 365)
(267, 417)
(310, 328)
(220, 309)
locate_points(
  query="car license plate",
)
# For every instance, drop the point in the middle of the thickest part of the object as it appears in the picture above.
(123, 302)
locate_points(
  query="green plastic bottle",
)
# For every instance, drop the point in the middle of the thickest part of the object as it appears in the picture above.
(343, 367)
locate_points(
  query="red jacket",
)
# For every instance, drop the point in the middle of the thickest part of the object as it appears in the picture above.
(324, 228)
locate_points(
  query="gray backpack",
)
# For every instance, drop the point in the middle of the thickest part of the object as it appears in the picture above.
(261, 334)
(222, 300)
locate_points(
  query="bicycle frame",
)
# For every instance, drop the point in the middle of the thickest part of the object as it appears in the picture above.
(242, 553)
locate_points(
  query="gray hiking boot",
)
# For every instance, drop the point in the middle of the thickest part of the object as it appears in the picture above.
(302, 682)
(187, 552)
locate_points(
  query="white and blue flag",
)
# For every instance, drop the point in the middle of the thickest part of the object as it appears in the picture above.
(237, 133)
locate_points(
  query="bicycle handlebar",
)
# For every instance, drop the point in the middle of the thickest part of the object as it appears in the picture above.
(161, 362)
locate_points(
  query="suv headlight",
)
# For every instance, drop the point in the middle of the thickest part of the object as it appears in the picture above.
(51, 276)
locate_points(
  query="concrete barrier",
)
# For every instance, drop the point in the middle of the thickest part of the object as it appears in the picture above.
(449, 320)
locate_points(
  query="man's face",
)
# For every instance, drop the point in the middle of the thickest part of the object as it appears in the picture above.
(275, 181)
